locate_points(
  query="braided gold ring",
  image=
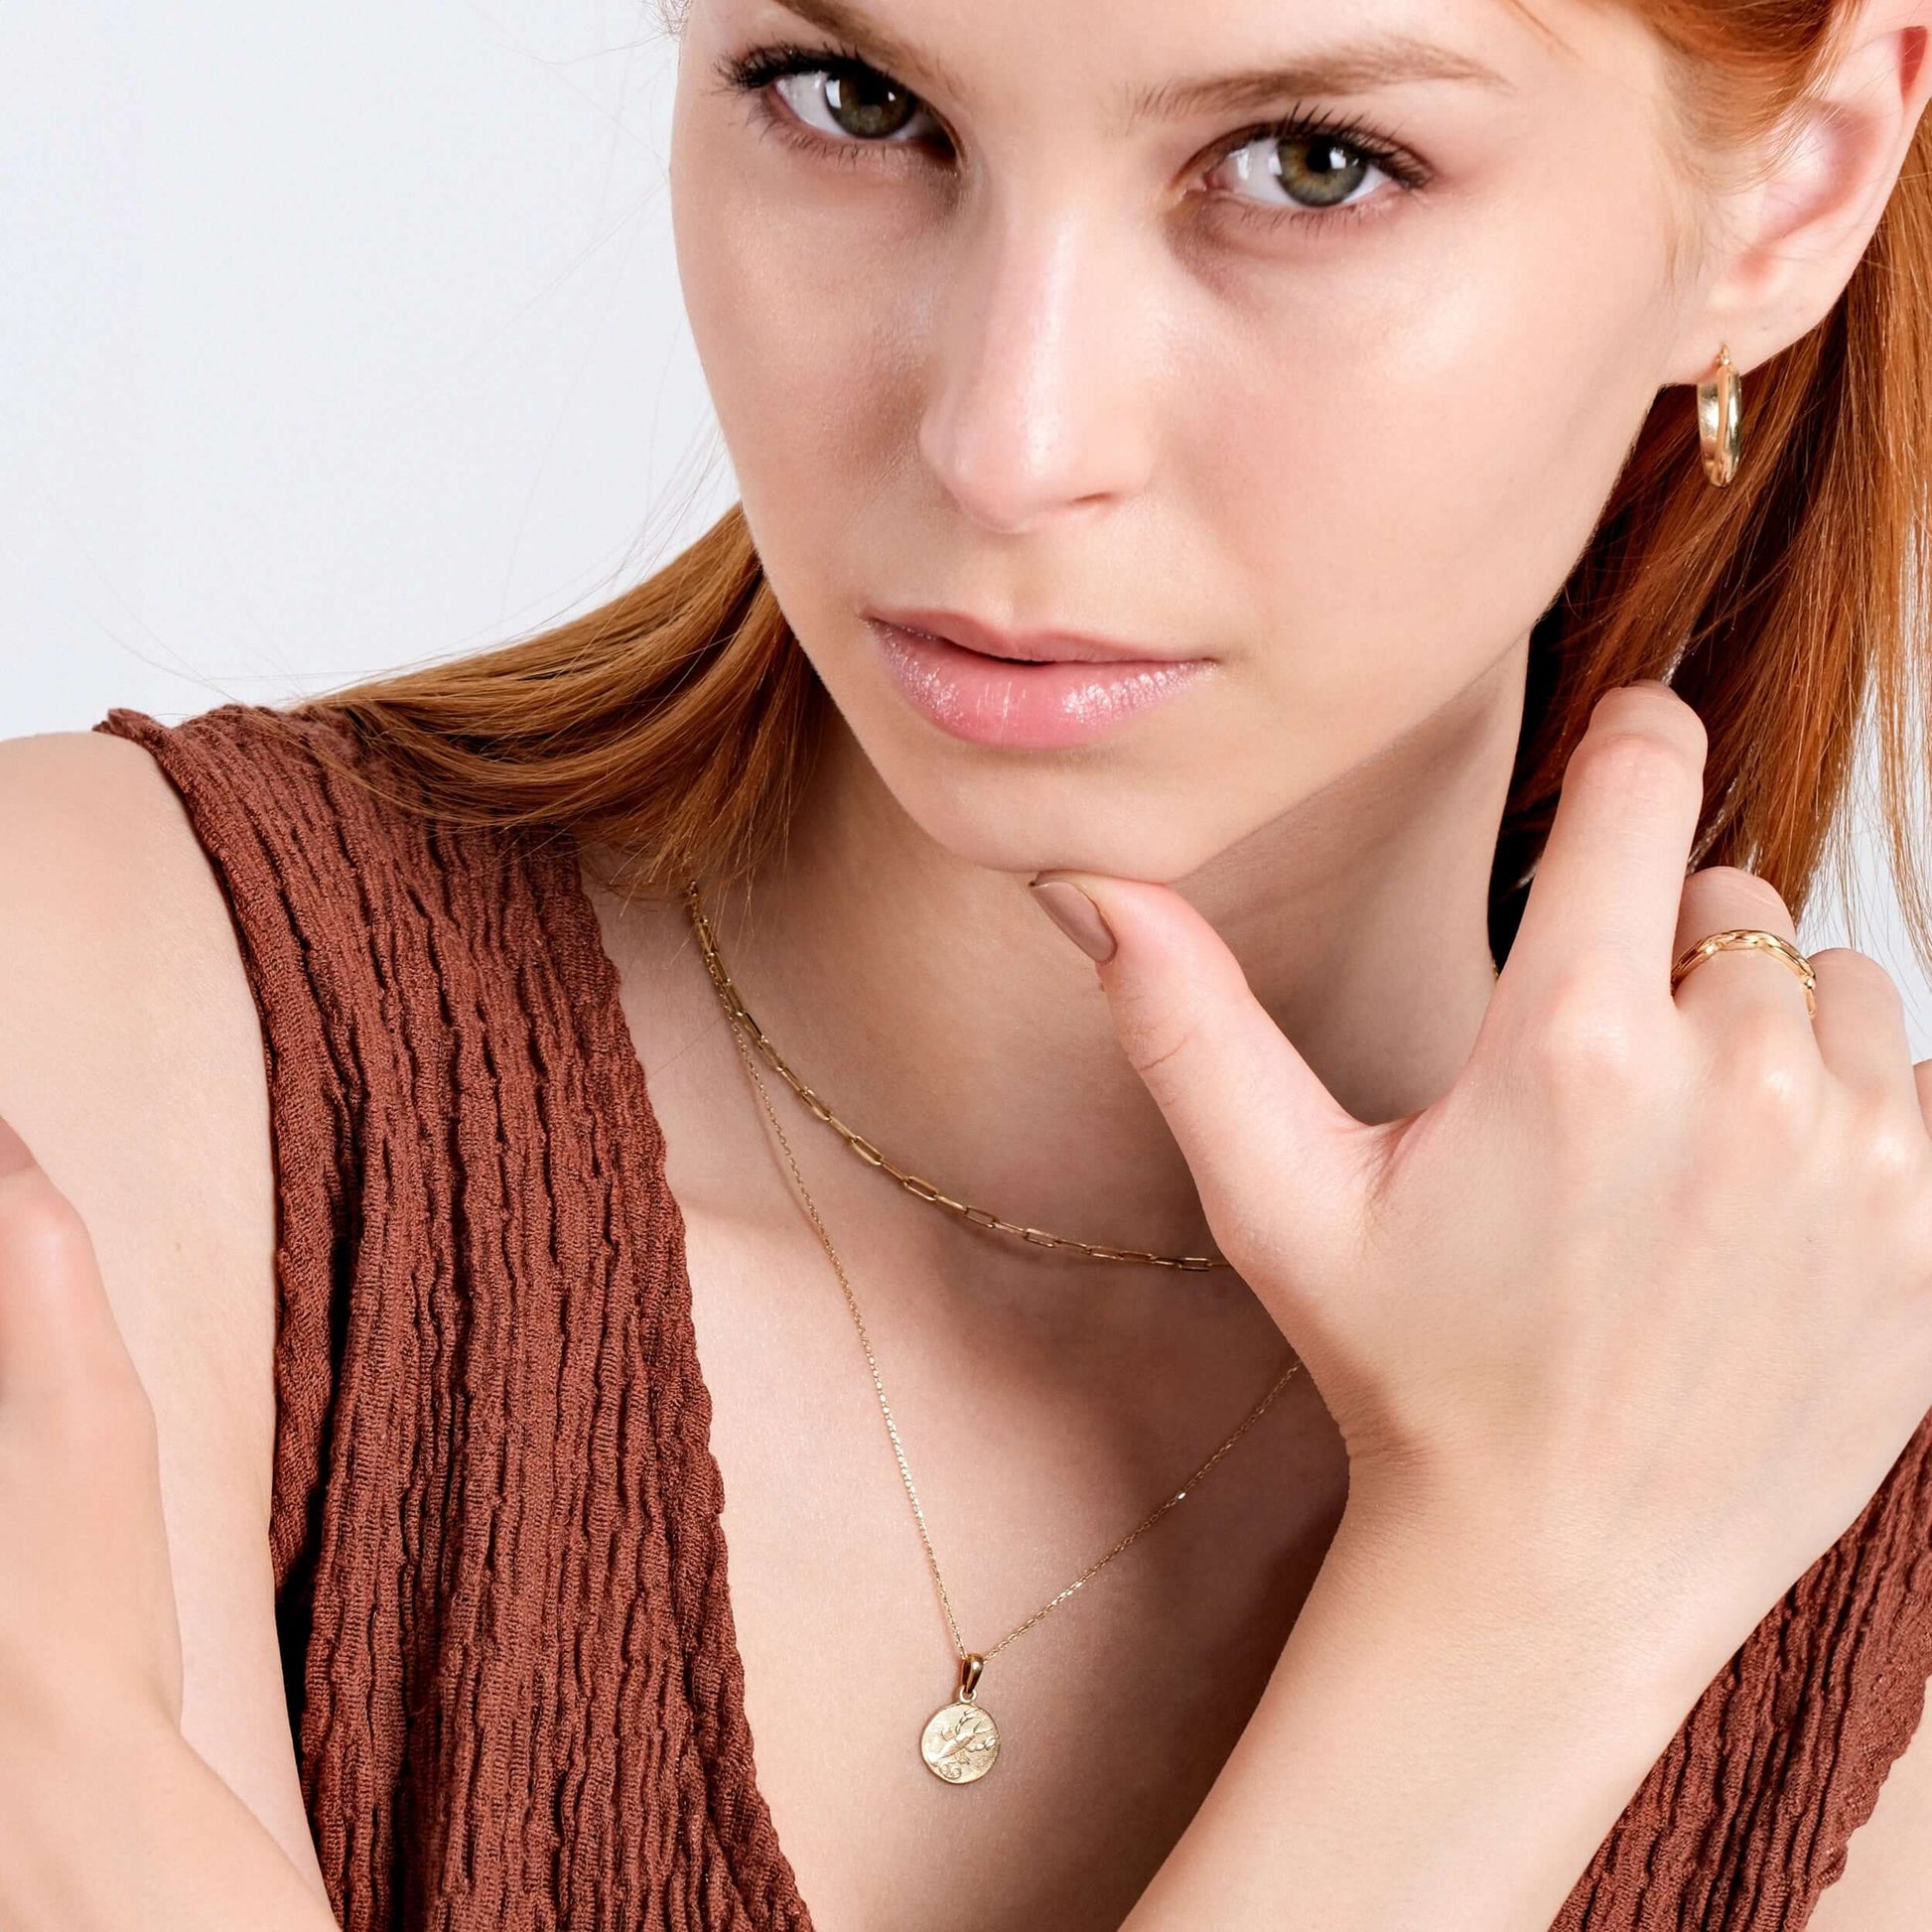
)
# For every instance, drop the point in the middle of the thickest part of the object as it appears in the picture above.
(1748, 939)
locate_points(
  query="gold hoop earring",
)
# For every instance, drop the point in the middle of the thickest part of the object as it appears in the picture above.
(1720, 418)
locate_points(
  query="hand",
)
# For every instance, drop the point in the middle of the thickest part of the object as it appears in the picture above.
(89, 1630)
(1642, 1306)
(108, 1816)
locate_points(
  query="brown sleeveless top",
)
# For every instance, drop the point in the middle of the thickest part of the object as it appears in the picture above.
(500, 1580)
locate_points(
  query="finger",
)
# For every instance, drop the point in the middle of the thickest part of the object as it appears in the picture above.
(1739, 981)
(57, 1336)
(1922, 1082)
(1860, 1026)
(1605, 894)
(1261, 1133)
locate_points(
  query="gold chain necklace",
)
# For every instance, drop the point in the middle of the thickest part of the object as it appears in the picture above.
(961, 1741)
(867, 1153)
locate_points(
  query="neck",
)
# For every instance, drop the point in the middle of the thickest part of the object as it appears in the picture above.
(932, 1006)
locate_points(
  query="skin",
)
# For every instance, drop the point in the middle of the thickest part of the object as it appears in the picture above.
(1070, 363)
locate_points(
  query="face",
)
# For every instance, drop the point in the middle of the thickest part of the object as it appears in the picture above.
(1291, 347)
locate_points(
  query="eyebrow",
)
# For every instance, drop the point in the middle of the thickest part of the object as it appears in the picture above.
(1384, 60)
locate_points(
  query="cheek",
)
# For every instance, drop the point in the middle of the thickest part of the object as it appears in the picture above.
(793, 316)
(1413, 456)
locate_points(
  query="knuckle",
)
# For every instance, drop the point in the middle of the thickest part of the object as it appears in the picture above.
(1154, 1041)
(1638, 764)
(40, 1229)
(1745, 897)
(1772, 1071)
(1586, 1045)
(1846, 967)
(1896, 1155)
(1649, 705)
(1887, 1143)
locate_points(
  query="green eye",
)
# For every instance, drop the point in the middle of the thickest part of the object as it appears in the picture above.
(863, 103)
(1320, 171)
(1315, 170)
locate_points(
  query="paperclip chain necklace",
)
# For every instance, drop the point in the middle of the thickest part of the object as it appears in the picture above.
(961, 1741)
(872, 1158)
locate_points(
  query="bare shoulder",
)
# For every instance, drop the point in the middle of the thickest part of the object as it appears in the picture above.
(126, 1009)
(92, 832)
(131, 1059)
(1888, 1882)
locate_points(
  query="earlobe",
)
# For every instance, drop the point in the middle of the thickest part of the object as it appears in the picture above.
(1824, 175)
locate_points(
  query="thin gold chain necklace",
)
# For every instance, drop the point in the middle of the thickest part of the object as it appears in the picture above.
(867, 1153)
(961, 1741)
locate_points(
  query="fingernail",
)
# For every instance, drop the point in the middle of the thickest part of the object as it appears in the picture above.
(13, 1151)
(1075, 914)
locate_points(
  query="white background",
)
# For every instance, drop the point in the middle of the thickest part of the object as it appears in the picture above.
(335, 338)
(331, 339)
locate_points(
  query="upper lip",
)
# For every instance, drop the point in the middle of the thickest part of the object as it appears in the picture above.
(1049, 645)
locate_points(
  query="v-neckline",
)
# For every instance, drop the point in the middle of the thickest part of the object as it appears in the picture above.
(594, 983)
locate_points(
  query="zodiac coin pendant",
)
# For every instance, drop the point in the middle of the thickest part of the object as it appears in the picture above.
(960, 1741)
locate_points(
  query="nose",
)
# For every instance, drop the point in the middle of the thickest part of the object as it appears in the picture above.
(1035, 403)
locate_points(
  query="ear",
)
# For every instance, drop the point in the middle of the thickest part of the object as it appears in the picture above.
(1794, 233)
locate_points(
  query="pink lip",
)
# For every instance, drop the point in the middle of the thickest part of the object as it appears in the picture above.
(989, 699)
(1051, 646)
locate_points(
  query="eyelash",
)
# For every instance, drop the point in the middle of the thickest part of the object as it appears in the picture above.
(754, 74)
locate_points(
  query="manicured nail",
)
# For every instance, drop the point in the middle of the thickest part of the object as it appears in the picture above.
(1075, 914)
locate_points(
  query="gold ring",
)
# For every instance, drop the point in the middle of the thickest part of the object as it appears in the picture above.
(1748, 939)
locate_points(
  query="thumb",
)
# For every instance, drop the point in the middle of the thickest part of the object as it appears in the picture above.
(1277, 1160)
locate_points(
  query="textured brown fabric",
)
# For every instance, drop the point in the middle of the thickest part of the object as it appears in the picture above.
(500, 1571)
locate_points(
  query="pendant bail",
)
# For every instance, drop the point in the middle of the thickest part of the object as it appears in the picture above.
(970, 1667)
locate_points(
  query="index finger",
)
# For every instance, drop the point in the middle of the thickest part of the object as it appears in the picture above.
(1611, 875)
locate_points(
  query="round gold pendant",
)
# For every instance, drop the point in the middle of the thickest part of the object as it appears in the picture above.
(959, 1743)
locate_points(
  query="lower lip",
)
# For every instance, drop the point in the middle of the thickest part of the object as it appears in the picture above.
(1029, 707)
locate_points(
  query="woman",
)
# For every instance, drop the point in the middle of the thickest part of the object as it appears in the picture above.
(1236, 469)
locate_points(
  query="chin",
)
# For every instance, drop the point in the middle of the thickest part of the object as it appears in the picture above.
(1084, 822)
